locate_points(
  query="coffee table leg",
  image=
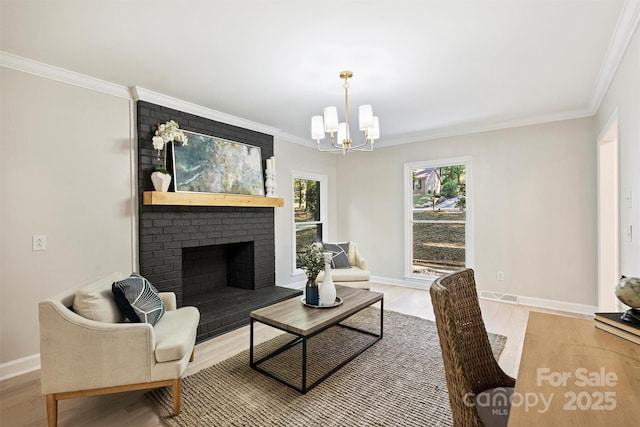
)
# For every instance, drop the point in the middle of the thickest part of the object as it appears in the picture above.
(381, 315)
(251, 345)
(304, 365)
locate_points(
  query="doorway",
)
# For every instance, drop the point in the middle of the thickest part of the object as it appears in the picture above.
(608, 218)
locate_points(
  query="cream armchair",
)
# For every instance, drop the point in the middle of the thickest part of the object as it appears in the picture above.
(83, 357)
(356, 275)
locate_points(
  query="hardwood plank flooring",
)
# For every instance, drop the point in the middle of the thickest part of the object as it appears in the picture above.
(21, 403)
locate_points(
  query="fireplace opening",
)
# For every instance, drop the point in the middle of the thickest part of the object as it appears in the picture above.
(210, 269)
(220, 281)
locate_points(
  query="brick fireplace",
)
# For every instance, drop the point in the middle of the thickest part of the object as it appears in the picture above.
(217, 258)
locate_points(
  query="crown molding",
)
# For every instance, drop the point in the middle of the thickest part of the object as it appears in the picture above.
(141, 94)
(293, 139)
(40, 69)
(460, 131)
(625, 27)
(455, 130)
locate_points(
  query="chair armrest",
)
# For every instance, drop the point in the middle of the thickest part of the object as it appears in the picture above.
(79, 354)
(361, 262)
(168, 300)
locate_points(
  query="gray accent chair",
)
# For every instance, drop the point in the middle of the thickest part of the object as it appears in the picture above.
(82, 356)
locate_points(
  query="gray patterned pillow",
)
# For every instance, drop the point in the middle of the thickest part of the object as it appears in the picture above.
(340, 254)
(138, 299)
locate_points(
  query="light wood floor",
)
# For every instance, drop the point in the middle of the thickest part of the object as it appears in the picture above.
(21, 403)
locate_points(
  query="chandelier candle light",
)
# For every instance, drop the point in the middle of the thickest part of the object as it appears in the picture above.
(368, 124)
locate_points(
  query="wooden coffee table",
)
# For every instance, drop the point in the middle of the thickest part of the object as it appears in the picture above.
(304, 322)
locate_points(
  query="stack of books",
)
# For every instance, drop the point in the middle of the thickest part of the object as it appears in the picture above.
(613, 323)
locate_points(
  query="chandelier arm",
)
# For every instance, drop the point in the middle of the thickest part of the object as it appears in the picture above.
(328, 150)
(366, 142)
(362, 149)
(333, 143)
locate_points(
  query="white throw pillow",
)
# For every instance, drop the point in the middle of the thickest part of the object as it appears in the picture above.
(95, 300)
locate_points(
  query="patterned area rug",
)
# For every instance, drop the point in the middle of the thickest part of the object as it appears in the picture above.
(398, 381)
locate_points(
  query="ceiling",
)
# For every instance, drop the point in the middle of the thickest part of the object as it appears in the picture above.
(429, 68)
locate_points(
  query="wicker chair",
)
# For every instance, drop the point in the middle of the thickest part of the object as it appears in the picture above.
(471, 369)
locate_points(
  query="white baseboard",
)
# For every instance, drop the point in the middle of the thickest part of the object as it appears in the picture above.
(409, 283)
(496, 296)
(19, 366)
(571, 307)
(294, 285)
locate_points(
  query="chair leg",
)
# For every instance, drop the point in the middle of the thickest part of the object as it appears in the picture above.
(193, 352)
(52, 410)
(176, 396)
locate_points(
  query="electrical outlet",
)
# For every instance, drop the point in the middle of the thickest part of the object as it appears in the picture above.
(39, 242)
(500, 275)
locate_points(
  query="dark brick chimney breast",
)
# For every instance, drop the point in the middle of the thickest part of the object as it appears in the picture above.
(233, 244)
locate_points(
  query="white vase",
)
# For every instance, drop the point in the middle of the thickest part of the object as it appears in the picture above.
(327, 291)
(161, 181)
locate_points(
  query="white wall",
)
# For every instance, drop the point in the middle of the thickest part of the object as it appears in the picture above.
(294, 157)
(623, 95)
(65, 173)
(534, 207)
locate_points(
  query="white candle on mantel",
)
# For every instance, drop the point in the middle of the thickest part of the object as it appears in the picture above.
(269, 167)
(273, 162)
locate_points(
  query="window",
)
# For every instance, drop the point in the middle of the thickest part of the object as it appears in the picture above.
(437, 200)
(309, 211)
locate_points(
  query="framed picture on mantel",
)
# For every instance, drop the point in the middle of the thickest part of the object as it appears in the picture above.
(213, 165)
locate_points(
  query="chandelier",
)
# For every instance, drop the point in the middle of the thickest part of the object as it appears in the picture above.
(339, 132)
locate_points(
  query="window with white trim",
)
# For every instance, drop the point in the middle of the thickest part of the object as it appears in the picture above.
(309, 211)
(438, 218)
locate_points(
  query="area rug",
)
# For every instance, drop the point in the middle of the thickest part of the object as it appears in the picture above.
(399, 381)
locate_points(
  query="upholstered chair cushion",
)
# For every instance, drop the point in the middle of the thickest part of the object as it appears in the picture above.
(353, 274)
(173, 340)
(94, 301)
(493, 406)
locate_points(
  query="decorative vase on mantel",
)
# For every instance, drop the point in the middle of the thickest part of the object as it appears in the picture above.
(311, 292)
(161, 181)
(327, 291)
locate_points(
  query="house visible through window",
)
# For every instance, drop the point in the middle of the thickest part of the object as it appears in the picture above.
(437, 221)
(308, 210)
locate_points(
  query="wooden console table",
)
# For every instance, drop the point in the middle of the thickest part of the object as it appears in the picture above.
(572, 374)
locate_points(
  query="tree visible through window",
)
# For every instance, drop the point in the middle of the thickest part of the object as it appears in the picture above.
(307, 213)
(438, 219)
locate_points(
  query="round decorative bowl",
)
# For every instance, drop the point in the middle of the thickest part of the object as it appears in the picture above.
(628, 292)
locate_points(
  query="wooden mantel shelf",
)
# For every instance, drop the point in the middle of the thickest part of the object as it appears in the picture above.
(203, 199)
